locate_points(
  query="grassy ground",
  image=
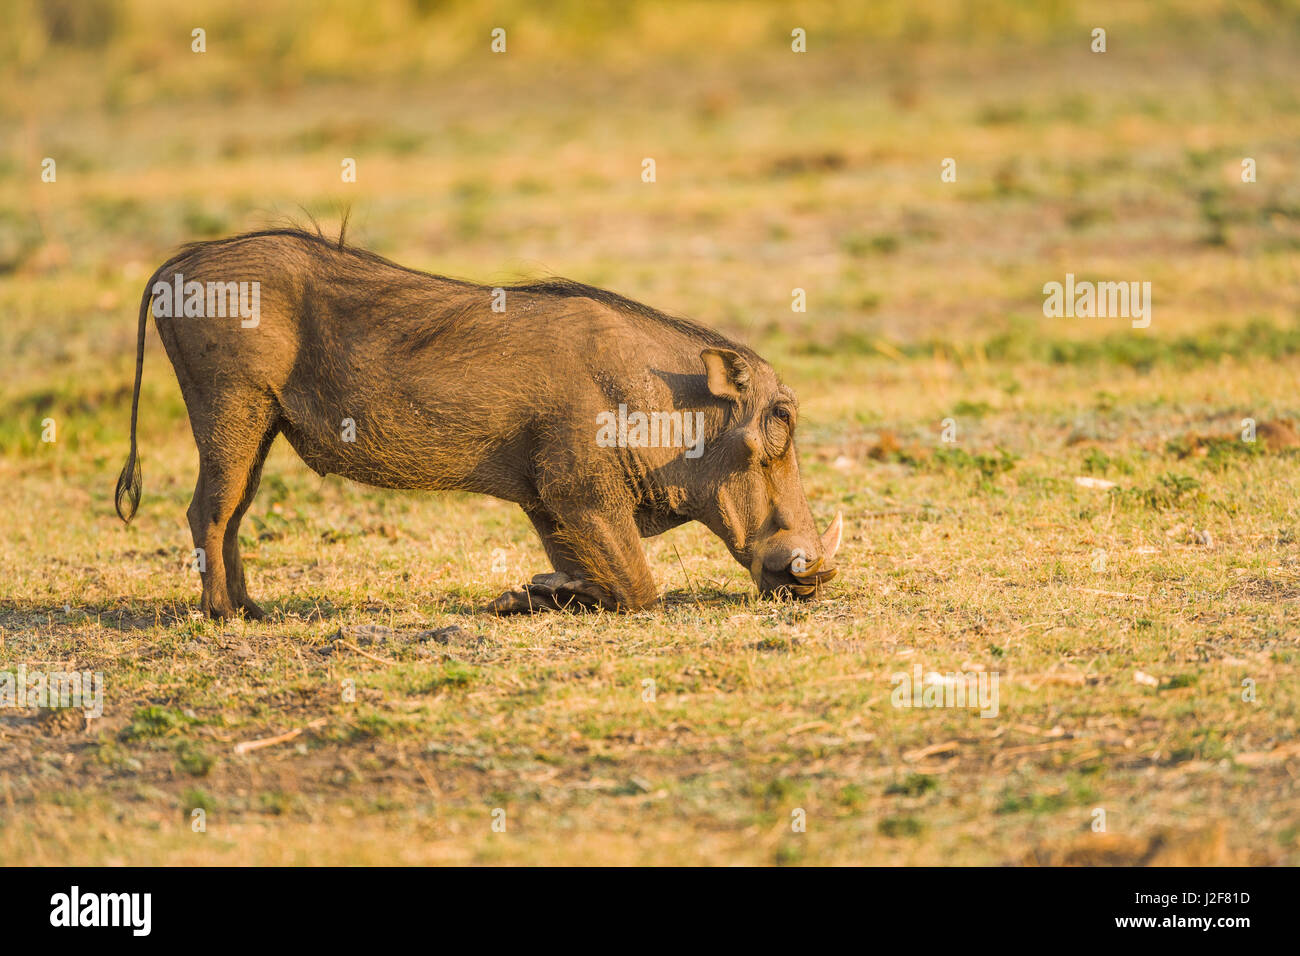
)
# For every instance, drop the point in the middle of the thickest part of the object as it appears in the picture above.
(1121, 621)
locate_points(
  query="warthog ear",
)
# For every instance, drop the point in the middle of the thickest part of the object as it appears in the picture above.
(728, 372)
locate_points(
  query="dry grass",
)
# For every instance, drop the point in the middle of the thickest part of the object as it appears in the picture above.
(774, 172)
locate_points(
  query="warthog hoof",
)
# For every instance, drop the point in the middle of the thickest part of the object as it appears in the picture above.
(553, 591)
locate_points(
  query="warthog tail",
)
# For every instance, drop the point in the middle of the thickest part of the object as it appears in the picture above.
(127, 497)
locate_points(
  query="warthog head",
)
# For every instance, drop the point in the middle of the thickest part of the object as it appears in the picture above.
(753, 498)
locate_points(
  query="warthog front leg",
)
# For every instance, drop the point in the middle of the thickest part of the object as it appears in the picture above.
(598, 561)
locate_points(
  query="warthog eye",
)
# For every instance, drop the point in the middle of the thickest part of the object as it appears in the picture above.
(778, 429)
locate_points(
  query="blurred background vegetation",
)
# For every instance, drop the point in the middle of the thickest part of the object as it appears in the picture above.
(776, 170)
(126, 46)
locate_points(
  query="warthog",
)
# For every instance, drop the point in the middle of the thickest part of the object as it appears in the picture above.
(401, 379)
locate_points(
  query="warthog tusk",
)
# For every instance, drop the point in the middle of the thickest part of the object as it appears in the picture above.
(831, 538)
(811, 576)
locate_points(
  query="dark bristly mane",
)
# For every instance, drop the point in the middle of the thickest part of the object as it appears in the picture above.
(557, 287)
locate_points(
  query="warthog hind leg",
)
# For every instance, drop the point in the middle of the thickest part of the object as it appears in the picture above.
(236, 584)
(233, 440)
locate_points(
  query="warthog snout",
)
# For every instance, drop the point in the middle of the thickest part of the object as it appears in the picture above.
(790, 564)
